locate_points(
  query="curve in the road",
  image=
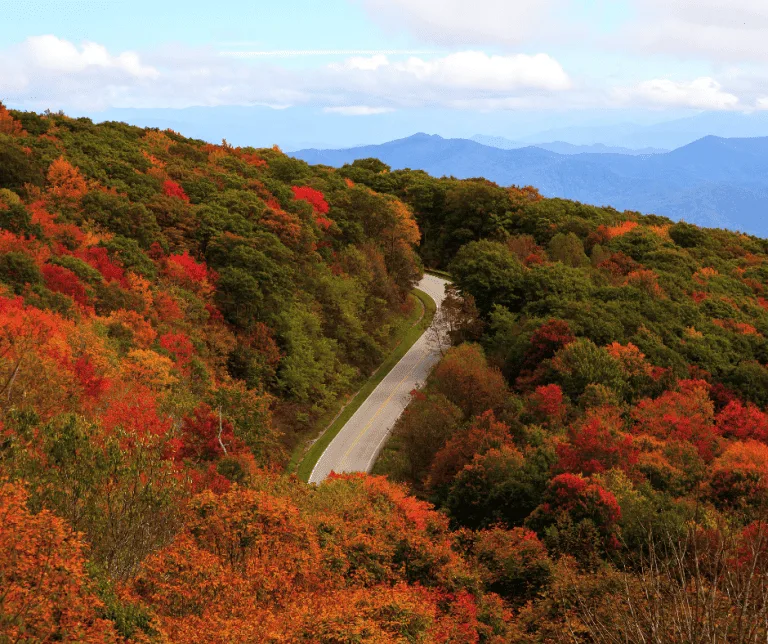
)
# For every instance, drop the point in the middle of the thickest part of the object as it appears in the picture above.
(356, 446)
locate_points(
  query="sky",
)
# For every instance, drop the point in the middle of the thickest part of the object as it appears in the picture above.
(346, 71)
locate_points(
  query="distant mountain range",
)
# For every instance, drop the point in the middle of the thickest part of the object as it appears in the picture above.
(713, 181)
(561, 147)
(666, 134)
(301, 127)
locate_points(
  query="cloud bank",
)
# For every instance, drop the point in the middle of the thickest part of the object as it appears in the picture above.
(47, 71)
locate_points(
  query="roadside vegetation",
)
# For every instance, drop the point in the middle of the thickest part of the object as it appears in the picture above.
(588, 462)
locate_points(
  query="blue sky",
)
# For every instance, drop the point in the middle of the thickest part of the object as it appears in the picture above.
(452, 66)
(140, 24)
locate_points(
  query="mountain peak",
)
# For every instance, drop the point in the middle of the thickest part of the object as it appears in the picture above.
(423, 136)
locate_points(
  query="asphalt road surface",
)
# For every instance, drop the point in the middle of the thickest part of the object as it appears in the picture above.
(356, 446)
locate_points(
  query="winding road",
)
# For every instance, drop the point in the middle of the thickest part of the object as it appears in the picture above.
(356, 446)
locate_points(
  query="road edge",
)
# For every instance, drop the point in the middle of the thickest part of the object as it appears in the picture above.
(307, 464)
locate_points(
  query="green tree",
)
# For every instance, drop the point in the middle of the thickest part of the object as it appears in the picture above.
(489, 272)
(568, 249)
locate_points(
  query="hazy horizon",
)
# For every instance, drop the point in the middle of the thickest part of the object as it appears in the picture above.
(354, 72)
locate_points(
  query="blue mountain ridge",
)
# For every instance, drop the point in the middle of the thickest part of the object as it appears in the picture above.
(713, 181)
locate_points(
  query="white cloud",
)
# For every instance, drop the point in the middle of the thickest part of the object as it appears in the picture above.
(474, 70)
(718, 30)
(463, 23)
(46, 71)
(464, 80)
(702, 93)
(357, 110)
(54, 54)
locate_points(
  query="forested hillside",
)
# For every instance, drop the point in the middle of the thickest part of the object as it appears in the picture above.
(587, 463)
(605, 406)
(173, 316)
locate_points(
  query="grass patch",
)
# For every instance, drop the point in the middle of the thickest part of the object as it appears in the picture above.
(406, 342)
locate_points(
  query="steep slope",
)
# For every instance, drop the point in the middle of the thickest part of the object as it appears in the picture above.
(172, 315)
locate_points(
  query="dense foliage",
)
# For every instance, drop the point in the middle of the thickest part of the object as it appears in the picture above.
(175, 316)
(614, 403)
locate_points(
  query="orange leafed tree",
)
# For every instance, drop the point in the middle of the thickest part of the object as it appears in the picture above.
(621, 228)
(45, 593)
(740, 476)
(483, 434)
(631, 358)
(467, 380)
(525, 193)
(241, 555)
(66, 185)
(8, 124)
(404, 226)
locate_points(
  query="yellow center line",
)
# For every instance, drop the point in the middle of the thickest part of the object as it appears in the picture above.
(379, 410)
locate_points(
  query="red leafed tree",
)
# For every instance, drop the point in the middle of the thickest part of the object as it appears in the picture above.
(316, 199)
(574, 493)
(577, 499)
(484, 433)
(189, 273)
(742, 422)
(45, 592)
(173, 189)
(313, 197)
(180, 346)
(135, 413)
(596, 445)
(205, 436)
(94, 384)
(98, 257)
(686, 415)
(546, 341)
(62, 280)
(547, 404)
